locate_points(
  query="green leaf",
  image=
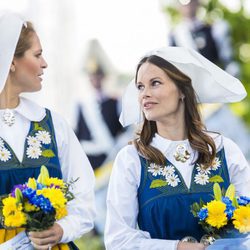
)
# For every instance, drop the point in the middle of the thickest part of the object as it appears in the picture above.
(195, 208)
(37, 127)
(235, 202)
(48, 153)
(217, 191)
(158, 183)
(216, 178)
(18, 195)
(230, 193)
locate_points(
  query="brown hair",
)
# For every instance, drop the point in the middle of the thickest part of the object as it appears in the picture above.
(199, 140)
(24, 42)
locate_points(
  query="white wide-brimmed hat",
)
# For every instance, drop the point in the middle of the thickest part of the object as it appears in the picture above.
(211, 83)
(10, 29)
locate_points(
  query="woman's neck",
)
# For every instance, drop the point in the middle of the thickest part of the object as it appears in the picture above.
(8, 99)
(174, 130)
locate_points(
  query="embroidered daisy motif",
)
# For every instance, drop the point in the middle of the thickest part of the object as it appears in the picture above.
(44, 137)
(201, 169)
(216, 163)
(155, 169)
(33, 141)
(5, 154)
(33, 152)
(172, 180)
(168, 170)
(201, 178)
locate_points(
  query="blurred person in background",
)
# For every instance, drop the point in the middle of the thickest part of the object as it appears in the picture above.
(213, 41)
(97, 119)
(96, 124)
(22, 67)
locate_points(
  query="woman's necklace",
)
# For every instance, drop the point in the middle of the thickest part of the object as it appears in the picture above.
(181, 153)
(8, 117)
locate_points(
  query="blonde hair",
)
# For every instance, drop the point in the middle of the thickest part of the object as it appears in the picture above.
(24, 41)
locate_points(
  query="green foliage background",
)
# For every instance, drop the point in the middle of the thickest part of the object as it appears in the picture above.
(240, 33)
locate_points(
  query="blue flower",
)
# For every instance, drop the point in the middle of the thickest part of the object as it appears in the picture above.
(29, 193)
(243, 200)
(42, 202)
(39, 186)
(202, 214)
(229, 207)
(227, 201)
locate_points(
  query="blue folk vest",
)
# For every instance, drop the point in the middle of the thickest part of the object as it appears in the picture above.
(164, 210)
(14, 172)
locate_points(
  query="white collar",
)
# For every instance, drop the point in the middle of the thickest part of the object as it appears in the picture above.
(165, 145)
(30, 110)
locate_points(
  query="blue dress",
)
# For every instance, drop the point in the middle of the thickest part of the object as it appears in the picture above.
(164, 208)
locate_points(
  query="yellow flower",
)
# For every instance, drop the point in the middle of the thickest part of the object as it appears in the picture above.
(241, 219)
(54, 181)
(29, 207)
(16, 219)
(10, 205)
(55, 196)
(61, 212)
(216, 214)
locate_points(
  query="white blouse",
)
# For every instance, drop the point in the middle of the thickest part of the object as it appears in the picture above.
(74, 164)
(121, 231)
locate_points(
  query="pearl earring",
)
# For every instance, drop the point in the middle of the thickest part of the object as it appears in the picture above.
(12, 68)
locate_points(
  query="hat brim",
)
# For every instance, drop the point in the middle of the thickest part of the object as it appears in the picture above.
(10, 29)
(211, 83)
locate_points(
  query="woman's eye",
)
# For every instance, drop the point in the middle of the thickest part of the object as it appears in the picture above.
(155, 83)
(140, 86)
(39, 55)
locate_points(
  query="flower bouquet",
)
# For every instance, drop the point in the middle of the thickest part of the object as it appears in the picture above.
(225, 216)
(37, 204)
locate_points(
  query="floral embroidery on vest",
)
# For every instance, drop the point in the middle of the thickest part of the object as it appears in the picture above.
(5, 154)
(203, 175)
(169, 176)
(35, 143)
(168, 172)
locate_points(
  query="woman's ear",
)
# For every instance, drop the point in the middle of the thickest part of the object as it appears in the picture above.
(12, 67)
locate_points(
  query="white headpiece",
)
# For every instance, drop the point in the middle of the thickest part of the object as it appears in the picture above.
(211, 83)
(10, 29)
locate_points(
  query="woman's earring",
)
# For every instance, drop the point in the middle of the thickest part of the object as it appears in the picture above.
(182, 98)
(12, 68)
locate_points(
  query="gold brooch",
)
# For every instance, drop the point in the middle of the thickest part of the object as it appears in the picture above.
(181, 153)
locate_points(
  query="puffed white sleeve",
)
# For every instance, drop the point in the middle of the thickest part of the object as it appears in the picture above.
(75, 164)
(121, 231)
(239, 169)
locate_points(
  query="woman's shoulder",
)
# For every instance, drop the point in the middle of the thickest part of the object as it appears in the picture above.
(222, 141)
(128, 151)
(127, 162)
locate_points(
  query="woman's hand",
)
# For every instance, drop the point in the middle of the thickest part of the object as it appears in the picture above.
(47, 238)
(190, 246)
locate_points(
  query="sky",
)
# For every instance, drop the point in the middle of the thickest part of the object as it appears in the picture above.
(125, 29)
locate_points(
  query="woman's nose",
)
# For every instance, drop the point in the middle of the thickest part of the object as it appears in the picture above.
(146, 92)
(44, 63)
